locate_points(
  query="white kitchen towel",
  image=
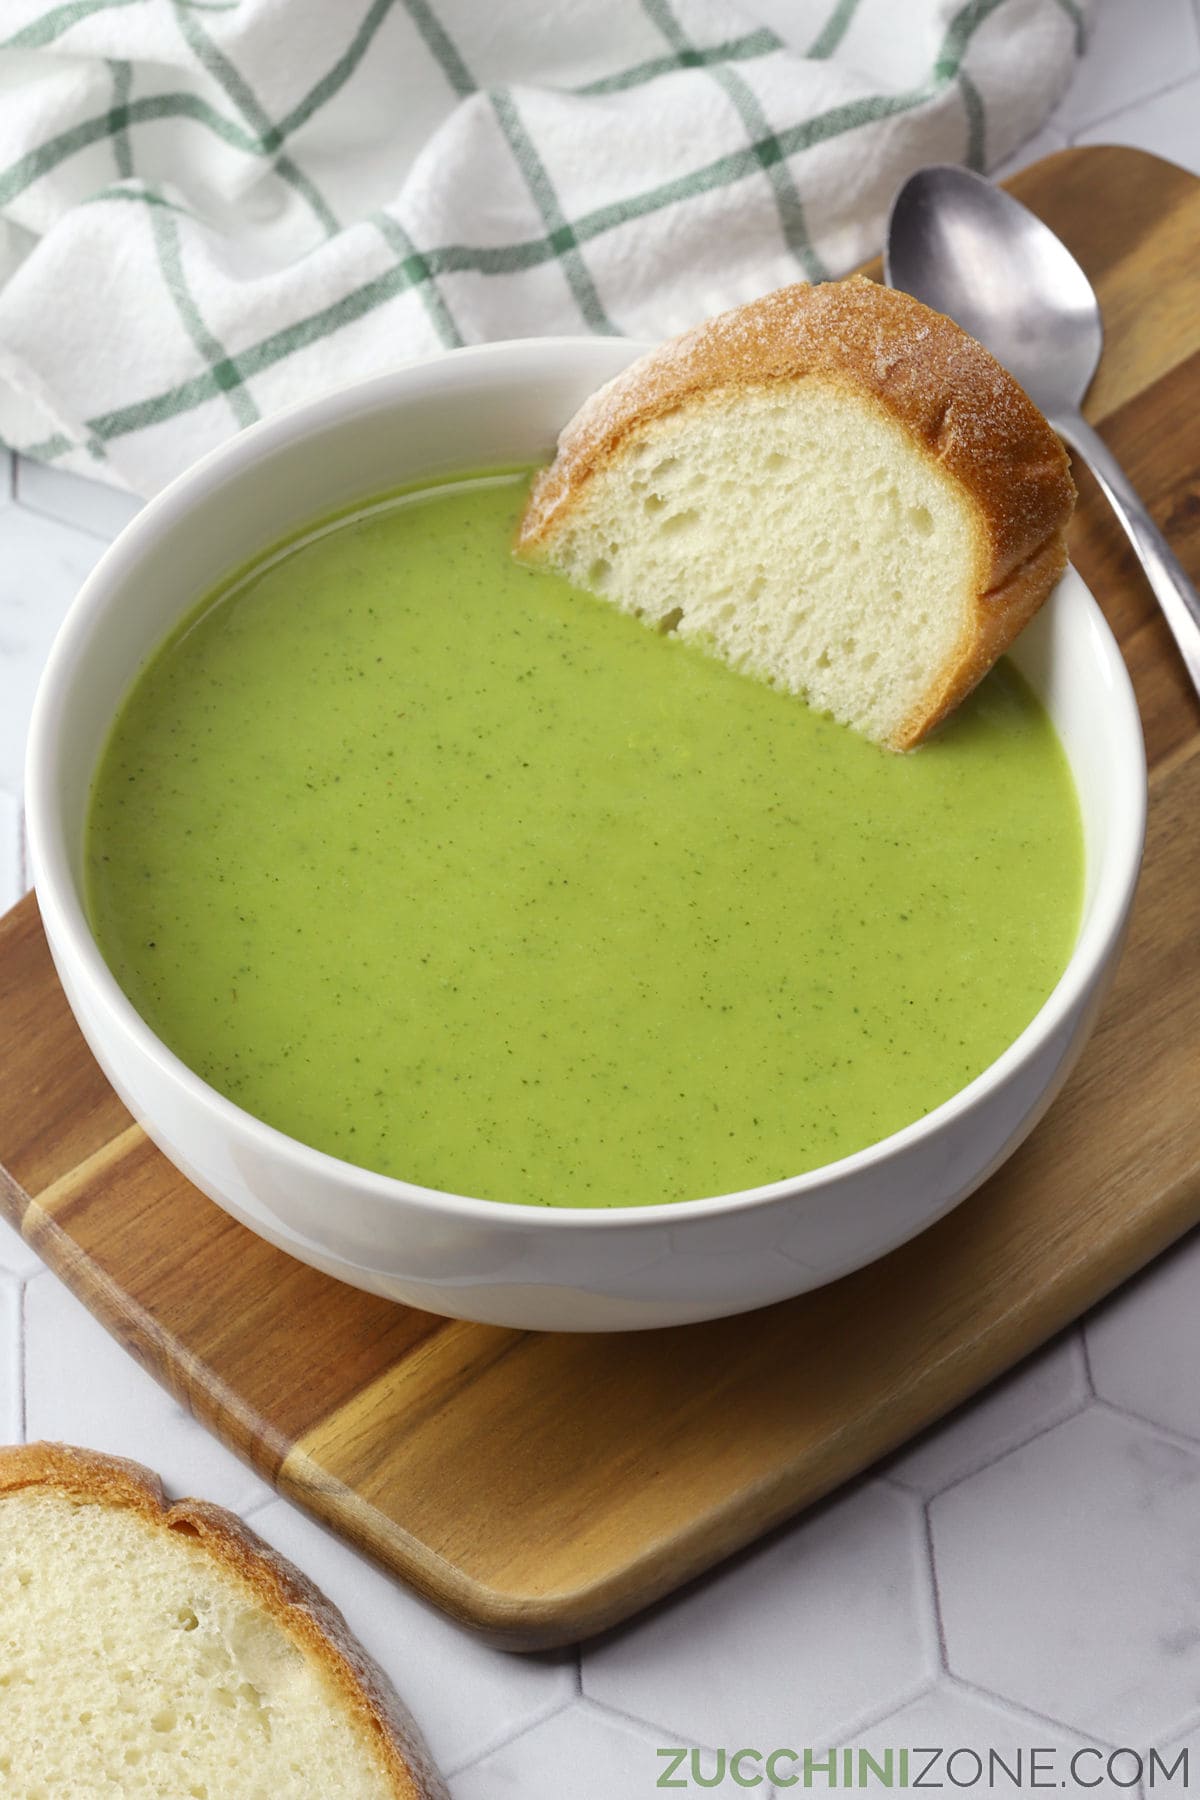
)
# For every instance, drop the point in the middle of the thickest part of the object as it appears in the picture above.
(212, 208)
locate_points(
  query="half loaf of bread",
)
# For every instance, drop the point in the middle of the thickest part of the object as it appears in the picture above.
(148, 1649)
(834, 488)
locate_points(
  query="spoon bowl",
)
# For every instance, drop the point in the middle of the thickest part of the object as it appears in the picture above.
(966, 248)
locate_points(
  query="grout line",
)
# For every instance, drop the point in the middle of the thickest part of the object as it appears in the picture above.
(650, 1728)
(871, 1721)
(613, 1711)
(936, 1592)
(854, 1724)
(995, 1455)
(1180, 1440)
(1088, 1376)
(897, 1483)
(1186, 1729)
(1022, 1714)
(605, 1709)
(1126, 106)
(53, 518)
(1002, 1703)
(1042, 1431)
(503, 1741)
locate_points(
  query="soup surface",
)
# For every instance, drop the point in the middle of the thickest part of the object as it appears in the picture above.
(452, 871)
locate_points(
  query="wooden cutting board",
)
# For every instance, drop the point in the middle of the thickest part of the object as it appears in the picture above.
(542, 1487)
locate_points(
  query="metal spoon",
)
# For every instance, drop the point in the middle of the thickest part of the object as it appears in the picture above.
(964, 246)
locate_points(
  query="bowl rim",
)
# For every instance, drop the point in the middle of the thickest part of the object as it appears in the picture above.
(68, 930)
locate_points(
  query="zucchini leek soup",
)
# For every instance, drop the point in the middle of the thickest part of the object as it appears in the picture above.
(446, 868)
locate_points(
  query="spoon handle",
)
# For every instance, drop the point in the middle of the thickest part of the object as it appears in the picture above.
(1174, 592)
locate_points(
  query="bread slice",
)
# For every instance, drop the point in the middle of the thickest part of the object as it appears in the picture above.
(148, 1649)
(834, 488)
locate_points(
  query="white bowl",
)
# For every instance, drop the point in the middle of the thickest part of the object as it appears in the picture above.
(506, 1264)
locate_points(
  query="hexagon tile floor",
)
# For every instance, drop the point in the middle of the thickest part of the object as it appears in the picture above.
(1026, 1576)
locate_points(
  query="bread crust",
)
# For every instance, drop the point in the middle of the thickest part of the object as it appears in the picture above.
(962, 410)
(298, 1607)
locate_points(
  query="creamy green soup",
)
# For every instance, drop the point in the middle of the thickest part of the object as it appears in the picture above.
(453, 871)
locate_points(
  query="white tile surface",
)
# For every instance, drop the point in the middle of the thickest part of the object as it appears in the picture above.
(1048, 1387)
(579, 1754)
(15, 1254)
(1189, 1743)
(831, 1618)
(90, 505)
(465, 1696)
(42, 563)
(1168, 125)
(1043, 143)
(966, 1726)
(12, 872)
(1144, 1345)
(10, 1360)
(1067, 1568)
(1068, 1578)
(1136, 48)
(81, 1387)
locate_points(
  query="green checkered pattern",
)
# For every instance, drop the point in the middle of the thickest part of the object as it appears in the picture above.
(209, 210)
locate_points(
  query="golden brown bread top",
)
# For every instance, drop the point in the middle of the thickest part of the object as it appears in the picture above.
(298, 1607)
(951, 394)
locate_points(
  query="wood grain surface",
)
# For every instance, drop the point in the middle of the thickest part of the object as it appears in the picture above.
(542, 1487)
